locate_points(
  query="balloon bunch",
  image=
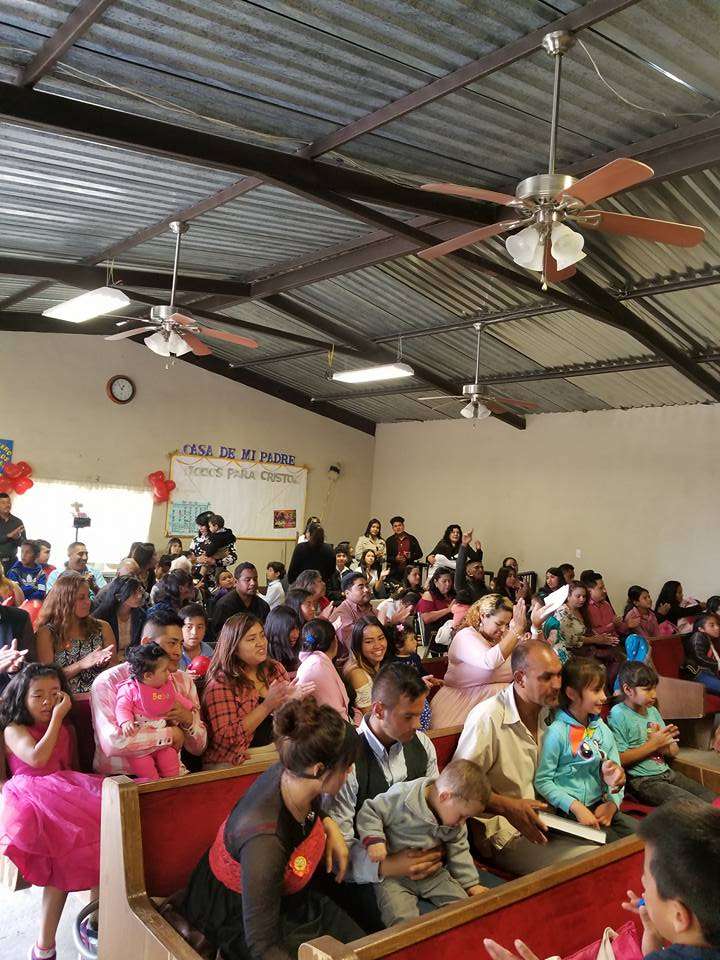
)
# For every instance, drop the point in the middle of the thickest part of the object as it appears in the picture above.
(15, 477)
(161, 487)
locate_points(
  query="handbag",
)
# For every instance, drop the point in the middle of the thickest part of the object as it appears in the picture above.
(625, 944)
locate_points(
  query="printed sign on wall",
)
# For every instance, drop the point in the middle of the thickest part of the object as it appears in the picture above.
(6, 453)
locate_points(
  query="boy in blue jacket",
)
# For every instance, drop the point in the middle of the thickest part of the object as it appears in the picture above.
(28, 573)
(680, 897)
(579, 771)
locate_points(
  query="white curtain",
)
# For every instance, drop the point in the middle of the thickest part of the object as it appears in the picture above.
(119, 516)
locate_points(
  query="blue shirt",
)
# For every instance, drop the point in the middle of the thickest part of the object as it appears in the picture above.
(631, 730)
(205, 651)
(31, 580)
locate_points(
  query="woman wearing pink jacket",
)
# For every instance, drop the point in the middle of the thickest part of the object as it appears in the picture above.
(319, 648)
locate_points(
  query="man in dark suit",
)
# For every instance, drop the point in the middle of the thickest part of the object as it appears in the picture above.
(17, 643)
(402, 548)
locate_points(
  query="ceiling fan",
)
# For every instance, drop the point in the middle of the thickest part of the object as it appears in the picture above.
(481, 405)
(175, 332)
(547, 202)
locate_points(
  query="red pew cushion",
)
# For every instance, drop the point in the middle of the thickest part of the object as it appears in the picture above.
(668, 656)
(445, 748)
(556, 921)
(182, 823)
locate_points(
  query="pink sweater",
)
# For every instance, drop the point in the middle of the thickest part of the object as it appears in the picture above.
(473, 662)
(319, 669)
(136, 699)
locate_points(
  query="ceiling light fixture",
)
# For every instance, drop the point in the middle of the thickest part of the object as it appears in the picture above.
(158, 344)
(95, 303)
(475, 410)
(386, 371)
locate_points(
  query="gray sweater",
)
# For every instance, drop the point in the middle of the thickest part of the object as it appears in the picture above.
(403, 818)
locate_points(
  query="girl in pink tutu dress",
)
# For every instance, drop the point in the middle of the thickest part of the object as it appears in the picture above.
(145, 697)
(49, 812)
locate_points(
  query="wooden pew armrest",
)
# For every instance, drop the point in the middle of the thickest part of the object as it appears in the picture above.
(681, 699)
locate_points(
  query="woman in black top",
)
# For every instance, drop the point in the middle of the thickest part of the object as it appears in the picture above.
(314, 554)
(250, 894)
(669, 604)
(469, 571)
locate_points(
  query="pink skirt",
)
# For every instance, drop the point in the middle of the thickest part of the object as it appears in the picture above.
(50, 828)
(451, 705)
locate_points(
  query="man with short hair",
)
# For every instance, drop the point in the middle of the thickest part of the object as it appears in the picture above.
(355, 606)
(392, 750)
(243, 599)
(342, 561)
(78, 561)
(503, 735)
(112, 747)
(401, 549)
(12, 530)
(44, 548)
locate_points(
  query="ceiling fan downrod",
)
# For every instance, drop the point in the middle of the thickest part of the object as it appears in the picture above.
(555, 45)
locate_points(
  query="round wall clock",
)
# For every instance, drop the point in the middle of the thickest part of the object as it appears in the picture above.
(120, 389)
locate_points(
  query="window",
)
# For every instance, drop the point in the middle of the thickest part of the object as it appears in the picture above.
(119, 516)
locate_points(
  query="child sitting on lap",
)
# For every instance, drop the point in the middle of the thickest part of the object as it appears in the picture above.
(146, 697)
(419, 814)
(645, 742)
(579, 771)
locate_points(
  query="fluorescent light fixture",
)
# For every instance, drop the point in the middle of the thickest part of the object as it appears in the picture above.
(386, 371)
(158, 344)
(95, 303)
(475, 410)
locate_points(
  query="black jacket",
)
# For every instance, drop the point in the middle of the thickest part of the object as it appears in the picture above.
(9, 545)
(16, 625)
(306, 556)
(391, 549)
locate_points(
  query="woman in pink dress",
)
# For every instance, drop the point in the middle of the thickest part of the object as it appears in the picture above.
(479, 658)
(50, 816)
(319, 648)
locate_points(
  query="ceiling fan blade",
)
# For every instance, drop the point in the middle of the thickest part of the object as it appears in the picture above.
(613, 177)
(182, 319)
(465, 239)
(661, 231)
(511, 401)
(199, 348)
(550, 267)
(457, 396)
(495, 406)
(229, 337)
(475, 193)
(124, 334)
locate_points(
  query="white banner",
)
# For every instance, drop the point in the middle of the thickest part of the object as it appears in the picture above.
(259, 501)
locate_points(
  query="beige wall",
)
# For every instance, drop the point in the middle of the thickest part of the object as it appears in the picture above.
(53, 405)
(635, 491)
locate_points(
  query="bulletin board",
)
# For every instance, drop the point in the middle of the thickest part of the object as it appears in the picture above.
(259, 501)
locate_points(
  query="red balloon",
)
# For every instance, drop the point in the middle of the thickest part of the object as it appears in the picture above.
(6, 485)
(32, 607)
(22, 485)
(12, 470)
(170, 485)
(154, 477)
(24, 468)
(199, 665)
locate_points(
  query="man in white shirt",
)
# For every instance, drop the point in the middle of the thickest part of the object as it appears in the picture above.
(504, 736)
(393, 751)
(112, 747)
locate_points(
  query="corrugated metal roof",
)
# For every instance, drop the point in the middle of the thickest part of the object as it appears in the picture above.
(284, 72)
(642, 388)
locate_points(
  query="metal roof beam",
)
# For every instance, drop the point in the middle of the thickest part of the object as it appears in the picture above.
(585, 16)
(79, 275)
(369, 351)
(670, 284)
(85, 14)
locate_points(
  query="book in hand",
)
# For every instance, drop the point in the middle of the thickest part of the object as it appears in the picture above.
(575, 829)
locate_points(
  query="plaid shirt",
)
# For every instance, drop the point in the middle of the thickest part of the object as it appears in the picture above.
(225, 708)
(112, 747)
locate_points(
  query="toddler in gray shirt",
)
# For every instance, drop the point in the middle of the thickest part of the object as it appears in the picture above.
(420, 814)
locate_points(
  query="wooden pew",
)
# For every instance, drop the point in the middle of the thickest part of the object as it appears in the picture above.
(557, 910)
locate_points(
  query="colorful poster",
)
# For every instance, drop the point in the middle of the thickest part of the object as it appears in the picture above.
(284, 519)
(6, 453)
(181, 517)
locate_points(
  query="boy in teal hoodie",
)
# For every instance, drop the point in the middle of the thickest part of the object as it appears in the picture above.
(579, 771)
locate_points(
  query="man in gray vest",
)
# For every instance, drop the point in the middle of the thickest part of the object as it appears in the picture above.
(393, 750)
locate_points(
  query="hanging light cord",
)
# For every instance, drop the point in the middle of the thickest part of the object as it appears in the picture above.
(630, 103)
